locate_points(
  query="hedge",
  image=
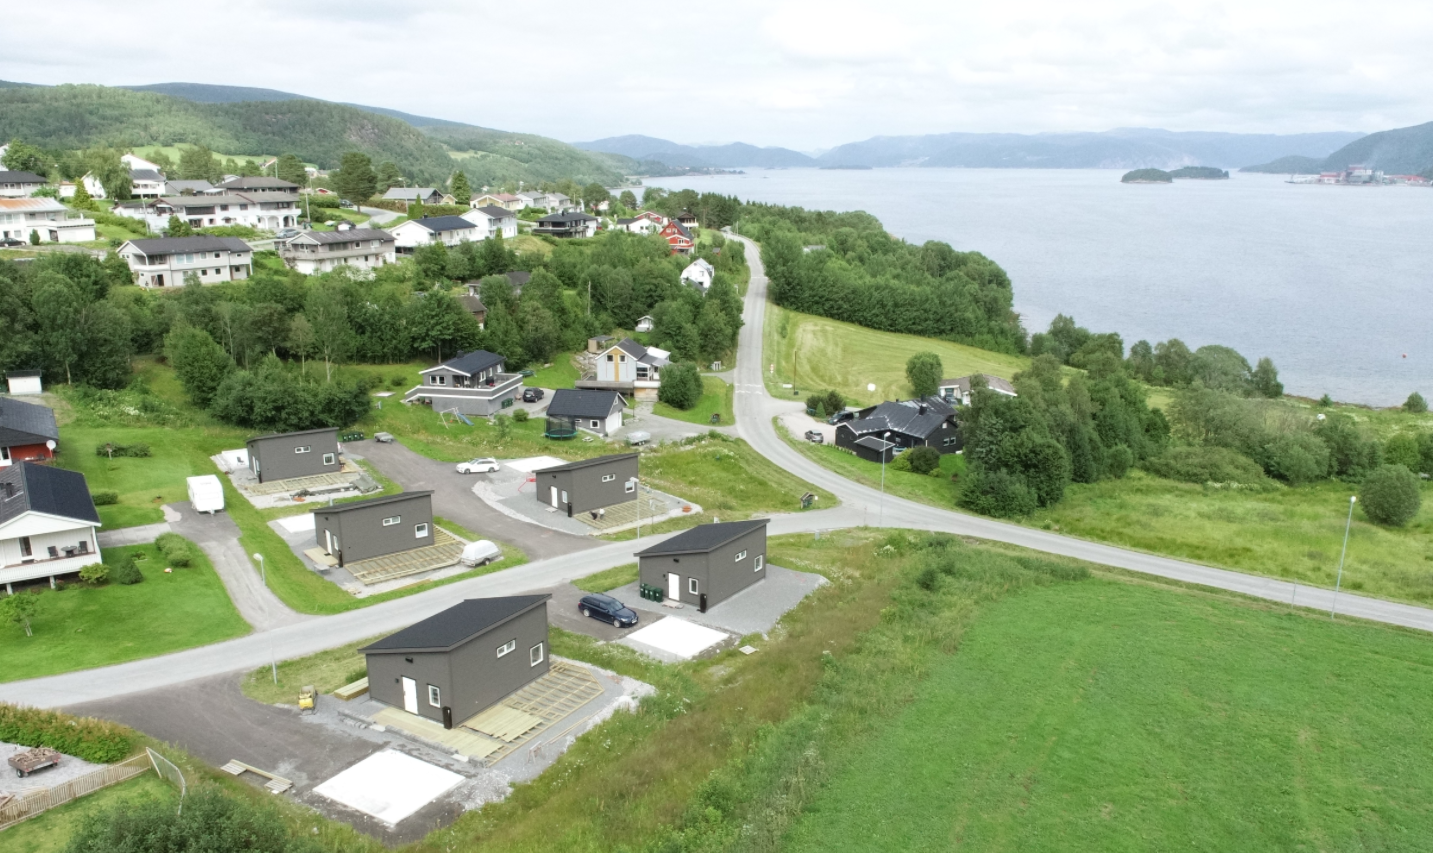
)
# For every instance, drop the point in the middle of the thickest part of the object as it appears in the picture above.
(105, 497)
(137, 450)
(176, 549)
(87, 738)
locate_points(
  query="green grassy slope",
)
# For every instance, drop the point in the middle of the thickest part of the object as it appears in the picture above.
(494, 157)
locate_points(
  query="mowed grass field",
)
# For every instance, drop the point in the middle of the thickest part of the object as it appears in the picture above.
(1112, 716)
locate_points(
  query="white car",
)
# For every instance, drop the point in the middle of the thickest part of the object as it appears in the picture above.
(485, 465)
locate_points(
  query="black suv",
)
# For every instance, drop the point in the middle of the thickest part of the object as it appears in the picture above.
(532, 395)
(607, 609)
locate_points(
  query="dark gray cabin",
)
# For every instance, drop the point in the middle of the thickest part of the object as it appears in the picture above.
(376, 527)
(588, 485)
(928, 422)
(284, 456)
(462, 661)
(708, 564)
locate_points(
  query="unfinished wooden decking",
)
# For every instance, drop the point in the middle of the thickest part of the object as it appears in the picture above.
(445, 551)
(346, 477)
(624, 514)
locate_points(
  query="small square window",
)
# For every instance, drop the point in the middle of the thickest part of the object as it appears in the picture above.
(392, 520)
(330, 459)
(535, 656)
(507, 648)
(596, 424)
(759, 562)
(692, 585)
(435, 697)
(740, 555)
(607, 478)
(631, 486)
(420, 531)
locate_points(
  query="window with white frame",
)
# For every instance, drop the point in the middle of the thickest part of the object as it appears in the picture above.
(596, 424)
(692, 585)
(740, 555)
(435, 696)
(507, 648)
(631, 486)
(420, 531)
(607, 478)
(330, 459)
(392, 520)
(759, 562)
(303, 449)
(535, 655)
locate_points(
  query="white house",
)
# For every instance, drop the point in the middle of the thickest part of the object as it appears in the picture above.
(506, 201)
(52, 221)
(957, 391)
(318, 251)
(258, 185)
(644, 323)
(492, 220)
(92, 186)
(168, 261)
(425, 195)
(268, 211)
(47, 523)
(448, 230)
(19, 184)
(629, 361)
(143, 183)
(559, 203)
(532, 198)
(699, 274)
(132, 161)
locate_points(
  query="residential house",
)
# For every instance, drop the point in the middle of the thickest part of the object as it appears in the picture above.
(472, 383)
(270, 210)
(318, 251)
(422, 195)
(473, 304)
(678, 237)
(376, 527)
(532, 198)
(688, 220)
(24, 382)
(707, 564)
(15, 184)
(448, 230)
(589, 484)
(927, 422)
(169, 261)
(645, 323)
(133, 161)
(556, 202)
(453, 665)
(699, 274)
(27, 430)
(492, 220)
(956, 392)
(289, 455)
(645, 222)
(592, 410)
(507, 201)
(144, 183)
(629, 361)
(45, 217)
(47, 524)
(566, 225)
(92, 186)
(195, 187)
(259, 185)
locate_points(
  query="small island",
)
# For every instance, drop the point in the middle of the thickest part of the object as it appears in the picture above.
(1200, 173)
(1147, 176)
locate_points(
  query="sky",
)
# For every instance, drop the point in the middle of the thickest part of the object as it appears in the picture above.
(804, 74)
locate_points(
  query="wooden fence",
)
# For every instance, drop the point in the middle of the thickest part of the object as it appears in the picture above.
(31, 803)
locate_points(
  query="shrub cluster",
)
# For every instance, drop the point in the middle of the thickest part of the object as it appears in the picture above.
(87, 738)
(94, 573)
(176, 549)
(105, 497)
(1391, 496)
(681, 386)
(125, 571)
(1202, 464)
(138, 450)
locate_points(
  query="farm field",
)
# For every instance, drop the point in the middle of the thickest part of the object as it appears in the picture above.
(1111, 715)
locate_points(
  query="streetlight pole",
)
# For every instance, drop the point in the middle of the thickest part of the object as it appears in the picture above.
(885, 451)
(1339, 582)
(263, 575)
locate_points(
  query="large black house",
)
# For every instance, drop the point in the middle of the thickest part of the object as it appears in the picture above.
(927, 422)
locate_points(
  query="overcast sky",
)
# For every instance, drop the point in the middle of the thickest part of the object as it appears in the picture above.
(804, 74)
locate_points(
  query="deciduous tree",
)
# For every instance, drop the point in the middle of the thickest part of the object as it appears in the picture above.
(923, 371)
(19, 609)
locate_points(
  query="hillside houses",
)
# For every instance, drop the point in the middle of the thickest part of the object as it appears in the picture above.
(169, 261)
(507, 201)
(267, 210)
(699, 274)
(492, 221)
(566, 225)
(678, 237)
(422, 195)
(448, 230)
(320, 251)
(46, 218)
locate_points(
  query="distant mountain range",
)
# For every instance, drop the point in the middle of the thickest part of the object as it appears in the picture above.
(676, 155)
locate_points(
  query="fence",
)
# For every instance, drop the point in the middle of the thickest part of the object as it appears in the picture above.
(31, 803)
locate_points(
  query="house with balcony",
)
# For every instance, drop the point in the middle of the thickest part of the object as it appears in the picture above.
(448, 230)
(471, 383)
(45, 217)
(269, 211)
(168, 261)
(507, 201)
(320, 251)
(566, 225)
(143, 183)
(15, 184)
(629, 368)
(532, 198)
(258, 185)
(492, 220)
(556, 202)
(47, 524)
(27, 431)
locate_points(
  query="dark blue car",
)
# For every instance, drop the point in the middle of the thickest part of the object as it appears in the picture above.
(607, 609)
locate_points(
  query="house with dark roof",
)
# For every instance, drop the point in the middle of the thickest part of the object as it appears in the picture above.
(258, 184)
(27, 432)
(287, 455)
(679, 237)
(448, 230)
(376, 527)
(492, 221)
(144, 183)
(189, 187)
(169, 261)
(472, 383)
(566, 225)
(928, 422)
(457, 663)
(628, 367)
(957, 391)
(588, 484)
(707, 564)
(267, 210)
(47, 523)
(592, 410)
(422, 195)
(688, 220)
(319, 251)
(14, 184)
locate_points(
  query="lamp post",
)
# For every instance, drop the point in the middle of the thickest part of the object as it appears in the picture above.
(263, 575)
(1339, 582)
(885, 451)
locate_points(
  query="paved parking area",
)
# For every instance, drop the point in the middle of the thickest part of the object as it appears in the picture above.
(562, 611)
(754, 610)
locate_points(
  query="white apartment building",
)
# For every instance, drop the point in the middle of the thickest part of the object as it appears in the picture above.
(168, 261)
(448, 230)
(492, 220)
(55, 223)
(269, 211)
(320, 251)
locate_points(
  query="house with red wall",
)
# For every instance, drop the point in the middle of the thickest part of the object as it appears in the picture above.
(27, 432)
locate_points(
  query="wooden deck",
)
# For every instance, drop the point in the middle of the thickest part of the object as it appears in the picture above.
(445, 551)
(345, 477)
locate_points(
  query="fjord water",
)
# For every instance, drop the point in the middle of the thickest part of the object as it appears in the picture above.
(1332, 282)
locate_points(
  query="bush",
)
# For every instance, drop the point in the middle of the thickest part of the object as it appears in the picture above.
(923, 460)
(125, 571)
(1200, 464)
(1415, 403)
(901, 462)
(1404, 449)
(1118, 460)
(176, 549)
(1353, 454)
(210, 820)
(95, 573)
(398, 381)
(138, 450)
(1390, 495)
(1297, 458)
(104, 497)
(681, 386)
(94, 740)
(998, 493)
(521, 416)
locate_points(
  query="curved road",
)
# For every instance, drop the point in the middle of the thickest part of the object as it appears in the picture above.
(755, 410)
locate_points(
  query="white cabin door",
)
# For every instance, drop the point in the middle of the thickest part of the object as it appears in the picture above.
(674, 586)
(554, 497)
(410, 695)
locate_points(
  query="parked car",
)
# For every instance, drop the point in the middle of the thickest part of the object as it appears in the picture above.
(346, 204)
(383, 437)
(11, 242)
(841, 417)
(483, 465)
(286, 234)
(532, 395)
(480, 553)
(607, 609)
(815, 437)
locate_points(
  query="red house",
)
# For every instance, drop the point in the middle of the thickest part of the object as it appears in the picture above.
(678, 237)
(27, 432)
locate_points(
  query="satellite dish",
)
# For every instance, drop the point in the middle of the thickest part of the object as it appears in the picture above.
(50, 444)
(870, 386)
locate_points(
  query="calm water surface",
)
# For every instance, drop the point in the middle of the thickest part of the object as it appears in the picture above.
(1333, 283)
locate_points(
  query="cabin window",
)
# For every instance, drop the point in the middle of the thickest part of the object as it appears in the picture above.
(303, 449)
(438, 379)
(435, 697)
(330, 459)
(507, 648)
(596, 424)
(535, 655)
(692, 586)
(420, 531)
(759, 562)
(607, 478)
(609, 356)
(25, 549)
(740, 555)
(392, 520)
(631, 486)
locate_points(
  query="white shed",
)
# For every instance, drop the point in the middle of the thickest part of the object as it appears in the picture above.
(24, 382)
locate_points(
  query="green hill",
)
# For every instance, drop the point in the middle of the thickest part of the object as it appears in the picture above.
(1291, 165)
(318, 132)
(1147, 176)
(1406, 151)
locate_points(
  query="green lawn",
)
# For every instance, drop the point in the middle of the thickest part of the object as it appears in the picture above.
(608, 579)
(1110, 716)
(79, 626)
(716, 399)
(328, 670)
(562, 374)
(728, 479)
(50, 832)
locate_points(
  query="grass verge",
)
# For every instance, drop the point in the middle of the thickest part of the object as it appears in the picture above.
(50, 832)
(328, 670)
(716, 399)
(608, 579)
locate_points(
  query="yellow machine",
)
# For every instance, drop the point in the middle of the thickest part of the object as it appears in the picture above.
(307, 697)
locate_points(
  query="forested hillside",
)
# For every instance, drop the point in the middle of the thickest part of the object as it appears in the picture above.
(497, 157)
(1406, 150)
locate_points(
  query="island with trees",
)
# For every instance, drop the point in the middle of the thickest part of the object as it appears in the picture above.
(1200, 173)
(1147, 176)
